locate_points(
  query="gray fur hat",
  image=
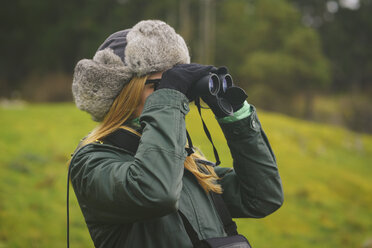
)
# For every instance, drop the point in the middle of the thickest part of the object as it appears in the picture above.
(150, 46)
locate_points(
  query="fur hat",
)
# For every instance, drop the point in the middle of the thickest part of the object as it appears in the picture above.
(150, 46)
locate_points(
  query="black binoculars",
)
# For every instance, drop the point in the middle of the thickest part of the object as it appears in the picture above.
(213, 84)
(220, 86)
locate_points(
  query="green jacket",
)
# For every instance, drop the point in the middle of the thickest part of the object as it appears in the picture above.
(131, 200)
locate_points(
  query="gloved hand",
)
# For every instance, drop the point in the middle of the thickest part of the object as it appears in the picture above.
(235, 96)
(182, 77)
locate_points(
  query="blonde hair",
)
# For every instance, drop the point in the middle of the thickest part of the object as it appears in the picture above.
(123, 109)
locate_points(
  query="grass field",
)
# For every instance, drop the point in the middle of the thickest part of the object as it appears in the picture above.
(326, 173)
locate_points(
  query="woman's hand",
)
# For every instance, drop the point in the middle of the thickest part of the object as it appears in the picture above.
(182, 77)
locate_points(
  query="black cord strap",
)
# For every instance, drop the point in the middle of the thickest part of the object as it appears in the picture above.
(196, 242)
(190, 150)
(206, 131)
(68, 206)
(228, 224)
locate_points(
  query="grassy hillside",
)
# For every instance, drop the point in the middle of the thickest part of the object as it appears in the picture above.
(326, 173)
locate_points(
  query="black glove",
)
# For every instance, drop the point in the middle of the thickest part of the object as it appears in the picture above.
(182, 77)
(234, 96)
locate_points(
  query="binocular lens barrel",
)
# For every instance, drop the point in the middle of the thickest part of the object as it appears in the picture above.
(214, 84)
(209, 84)
(226, 81)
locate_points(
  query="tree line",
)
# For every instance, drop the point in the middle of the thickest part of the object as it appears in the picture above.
(276, 49)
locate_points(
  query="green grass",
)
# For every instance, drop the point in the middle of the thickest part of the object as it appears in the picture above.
(326, 173)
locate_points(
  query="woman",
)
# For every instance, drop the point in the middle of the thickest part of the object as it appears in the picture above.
(139, 84)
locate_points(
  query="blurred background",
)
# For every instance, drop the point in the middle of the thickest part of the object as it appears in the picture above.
(306, 58)
(305, 64)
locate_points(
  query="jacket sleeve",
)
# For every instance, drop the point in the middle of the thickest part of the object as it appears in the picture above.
(113, 186)
(253, 188)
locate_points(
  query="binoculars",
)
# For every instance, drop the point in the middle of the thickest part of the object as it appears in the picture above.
(214, 84)
(221, 86)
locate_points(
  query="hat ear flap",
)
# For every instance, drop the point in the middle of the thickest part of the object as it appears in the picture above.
(96, 83)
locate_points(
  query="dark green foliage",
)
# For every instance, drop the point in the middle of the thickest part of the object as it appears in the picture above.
(346, 37)
(40, 37)
(347, 42)
(274, 55)
(283, 52)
